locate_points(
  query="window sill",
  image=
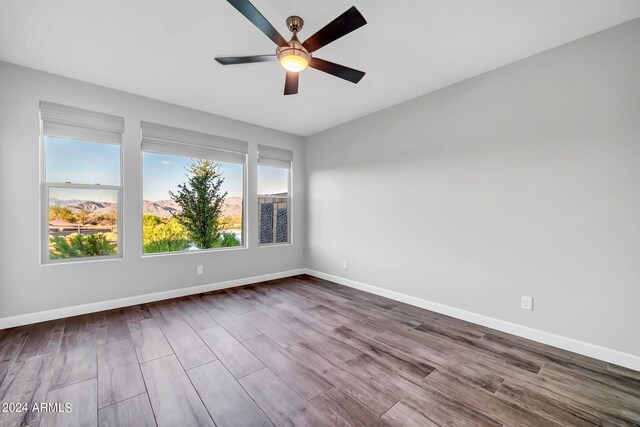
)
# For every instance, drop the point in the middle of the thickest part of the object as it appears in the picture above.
(274, 245)
(66, 261)
(201, 251)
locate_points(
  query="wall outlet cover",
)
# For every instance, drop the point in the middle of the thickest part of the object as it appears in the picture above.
(200, 270)
(345, 264)
(526, 303)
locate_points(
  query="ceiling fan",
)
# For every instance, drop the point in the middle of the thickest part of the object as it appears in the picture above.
(295, 56)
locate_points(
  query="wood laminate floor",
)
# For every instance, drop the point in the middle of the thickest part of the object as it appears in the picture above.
(298, 351)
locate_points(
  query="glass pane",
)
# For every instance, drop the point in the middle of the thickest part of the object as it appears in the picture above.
(273, 181)
(81, 162)
(82, 223)
(170, 224)
(273, 204)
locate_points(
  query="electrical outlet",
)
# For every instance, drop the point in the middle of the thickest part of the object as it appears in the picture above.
(345, 264)
(526, 303)
(200, 270)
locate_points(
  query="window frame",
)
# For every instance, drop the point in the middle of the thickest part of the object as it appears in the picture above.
(289, 198)
(167, 135)
(44, 203)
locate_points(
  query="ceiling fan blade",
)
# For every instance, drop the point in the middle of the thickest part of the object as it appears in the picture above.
(233, 60)
(354, 76)
(291, 83)
(349, 21)
(252, 14)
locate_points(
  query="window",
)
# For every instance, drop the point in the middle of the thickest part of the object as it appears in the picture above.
(193, 190)
(274, 195)
(81, 187)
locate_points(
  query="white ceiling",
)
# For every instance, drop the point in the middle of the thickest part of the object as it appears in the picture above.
(165, 49)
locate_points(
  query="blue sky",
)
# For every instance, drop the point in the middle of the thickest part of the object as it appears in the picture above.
(82, 162)
(272, 180)
(91, 163)
(163, 173)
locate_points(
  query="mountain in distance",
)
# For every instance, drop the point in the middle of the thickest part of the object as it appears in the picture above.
(93, 207)
(58, 202)
(163, 208)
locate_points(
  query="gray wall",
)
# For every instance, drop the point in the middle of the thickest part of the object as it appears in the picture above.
(27, 287)
(522, 181)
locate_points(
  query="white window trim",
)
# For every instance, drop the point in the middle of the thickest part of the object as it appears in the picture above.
(94, 128)
(155, 136)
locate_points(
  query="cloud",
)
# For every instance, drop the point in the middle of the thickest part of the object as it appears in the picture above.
(165, 162)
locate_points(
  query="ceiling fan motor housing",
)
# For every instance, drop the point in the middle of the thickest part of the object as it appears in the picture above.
(295, 48)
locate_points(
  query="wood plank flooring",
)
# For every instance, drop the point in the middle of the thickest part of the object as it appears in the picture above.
(299, 351)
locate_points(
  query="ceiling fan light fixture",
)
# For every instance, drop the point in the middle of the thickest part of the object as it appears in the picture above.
(293, 62)
(293, 58)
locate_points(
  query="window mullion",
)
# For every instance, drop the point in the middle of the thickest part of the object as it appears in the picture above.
(82, 186)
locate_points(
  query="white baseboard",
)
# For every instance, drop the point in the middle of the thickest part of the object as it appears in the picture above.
(592, 350)
(25, 319)
(597, 352)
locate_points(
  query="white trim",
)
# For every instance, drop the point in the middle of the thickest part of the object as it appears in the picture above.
(592, 350)
(196, 251)
(598, 352)
(26, 319)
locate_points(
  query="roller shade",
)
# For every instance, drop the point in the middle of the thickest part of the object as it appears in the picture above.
(274, 157)
(186, 143)
(76, 123)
